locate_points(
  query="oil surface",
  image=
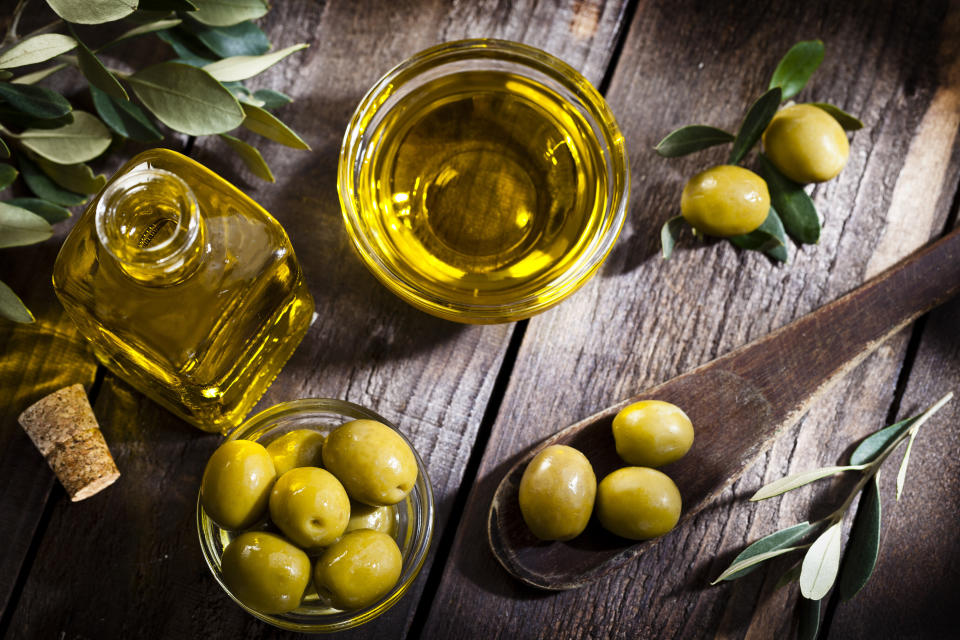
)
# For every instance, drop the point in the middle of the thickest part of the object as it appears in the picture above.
(482, 186)
(208, 343)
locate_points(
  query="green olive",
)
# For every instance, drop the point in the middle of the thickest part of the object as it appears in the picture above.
(638, 503)
(359, 569)
(806, 144)
(557, 491)
(265, 572)
(363, 516)
(300, 448)
(310, 506)
(652, 433)
(725, 201)
(374, 463)
(236, 484)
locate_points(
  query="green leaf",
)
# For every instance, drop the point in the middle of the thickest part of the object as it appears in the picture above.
(168, 5)
(47, 210)
(44, 187)
(798, 480)
(244, 95)
(188, 49)
(187, 99)
(12, 307)
(808, 612)
(150, 27)
(272, 99)
(758, 117)
(242, 39)
(7, 175)
(243, 67)
(251, 157)
(669, 233)
(691, 138)
(873, 445)
(769, 238)
(4, 149)
(20, 227)
(820, 564)
(902, 473)
(223, 13)
(780, 540)
(34, 101)
(847, 121)
(752, 561)
(791, 575)
(84, 139)
(269, 126)
(795, 207)
(863, 546)
(78, 177)
(124, 117)
(37, 76)
(12, 117)
(796, 67)
(5, 75)
(92, 11)
(97, 75)
(36, 49)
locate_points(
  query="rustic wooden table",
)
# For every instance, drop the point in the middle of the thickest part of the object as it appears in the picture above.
(126, 563)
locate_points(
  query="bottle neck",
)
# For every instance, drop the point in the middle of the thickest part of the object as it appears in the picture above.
(149, 221)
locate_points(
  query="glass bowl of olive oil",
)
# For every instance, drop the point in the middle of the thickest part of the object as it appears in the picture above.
(483, 181)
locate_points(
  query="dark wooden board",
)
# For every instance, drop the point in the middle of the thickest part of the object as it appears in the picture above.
(642, 321)
(431, 377)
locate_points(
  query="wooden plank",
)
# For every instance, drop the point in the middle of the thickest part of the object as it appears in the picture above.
(642, 321)
(433, 378)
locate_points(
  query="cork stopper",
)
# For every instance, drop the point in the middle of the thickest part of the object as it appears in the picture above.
(62, 426)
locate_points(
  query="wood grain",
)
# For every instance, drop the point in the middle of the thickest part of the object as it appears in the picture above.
(430, 377)
(642, 321)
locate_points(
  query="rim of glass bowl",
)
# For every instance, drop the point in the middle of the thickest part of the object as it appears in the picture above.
(573, 87)
(418, 517)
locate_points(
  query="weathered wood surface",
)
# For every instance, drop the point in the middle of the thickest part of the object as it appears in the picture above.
(431, 377)
(764, 388)
(642, 321)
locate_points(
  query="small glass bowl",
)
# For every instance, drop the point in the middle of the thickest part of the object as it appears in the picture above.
(361, 141)
(414, 515)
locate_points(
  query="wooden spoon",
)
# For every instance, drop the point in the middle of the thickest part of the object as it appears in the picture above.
(738, 404)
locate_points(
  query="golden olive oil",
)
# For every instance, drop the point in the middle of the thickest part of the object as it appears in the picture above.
(185, 287)
(482, 187)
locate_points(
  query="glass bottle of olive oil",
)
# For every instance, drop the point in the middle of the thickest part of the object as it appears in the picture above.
(185, 287)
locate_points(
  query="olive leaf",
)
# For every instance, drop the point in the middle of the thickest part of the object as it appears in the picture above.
(902, 472)
(4, 149)
(243, 67)
(124, 117)
(751, 562)
(820, 564)
(694, 137)
(241, 39)
(808, 623)
(244, 95)
(189, 50)
(47, 210)
(770, 238)
(269, 126)
(775, 541)
(37, 76)
(790, 575)
(12, 307)
(796, 67)
(223, 13)
(78, 177)
(5, 75)
(36, 49)
(798, 480)
(863, 546)
(271, 99)
(35, 101)
(669, 233)
(44, 187)
(92, 11)
(187, 99)
(26, 121)
(251, 157)
(7, 175)
(168, 5)
(847, 121)
(83, 139)
(96, 74)
(20, 227)
(796, 208)
(758, 117)
(150, 27)
(876, 443)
